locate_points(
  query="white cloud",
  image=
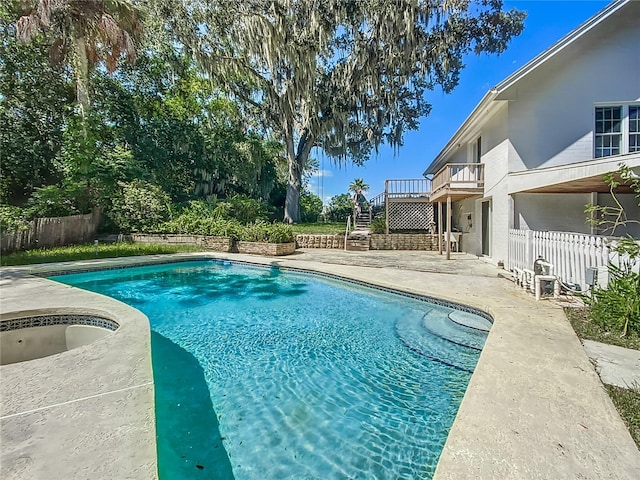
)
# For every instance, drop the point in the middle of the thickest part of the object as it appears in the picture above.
(322, 173)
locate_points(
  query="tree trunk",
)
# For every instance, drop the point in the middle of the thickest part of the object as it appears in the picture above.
(82, 74)
(297, 161)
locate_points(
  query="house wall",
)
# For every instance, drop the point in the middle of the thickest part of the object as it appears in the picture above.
(470, 240)
(551, 112)
(564, 212)
(495, 156)
(547, 119)
(561, 212)
(632, 210)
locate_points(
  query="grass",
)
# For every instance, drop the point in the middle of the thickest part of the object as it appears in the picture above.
(88, 252)
(586, 329)
(627, 401)
(319, 228)
(628, 404)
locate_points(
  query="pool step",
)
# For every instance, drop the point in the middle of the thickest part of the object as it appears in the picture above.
(437, 338)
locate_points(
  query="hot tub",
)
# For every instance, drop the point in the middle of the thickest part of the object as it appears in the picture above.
(27, 338)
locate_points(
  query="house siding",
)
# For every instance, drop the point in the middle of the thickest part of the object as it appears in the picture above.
(551, 112)
(562, 212)
(629, 203)
(545, 119)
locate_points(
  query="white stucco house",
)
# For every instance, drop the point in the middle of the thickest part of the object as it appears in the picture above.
(533, 152)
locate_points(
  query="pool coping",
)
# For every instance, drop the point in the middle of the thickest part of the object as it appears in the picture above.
(534, 408)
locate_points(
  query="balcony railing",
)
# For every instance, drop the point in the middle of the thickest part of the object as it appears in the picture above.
(460, 177)
(407, 188)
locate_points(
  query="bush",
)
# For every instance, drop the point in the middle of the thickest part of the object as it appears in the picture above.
(141, 207)
(310, 207)
(266, 232)
(244, 209)
(617, 308)
(378, 225)
(218, 227)
(70, 198)
(13, 218)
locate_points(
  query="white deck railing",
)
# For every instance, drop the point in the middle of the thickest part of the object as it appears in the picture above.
(570, 253)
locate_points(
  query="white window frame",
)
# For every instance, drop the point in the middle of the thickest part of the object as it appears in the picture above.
(624, 124)
(473, 155)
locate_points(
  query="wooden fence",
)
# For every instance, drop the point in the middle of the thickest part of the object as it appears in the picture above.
(570, 253)
(52, 232)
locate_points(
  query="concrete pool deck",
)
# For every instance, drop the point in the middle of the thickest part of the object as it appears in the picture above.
(535, 407)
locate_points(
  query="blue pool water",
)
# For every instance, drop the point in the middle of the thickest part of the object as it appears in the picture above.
(267, 374)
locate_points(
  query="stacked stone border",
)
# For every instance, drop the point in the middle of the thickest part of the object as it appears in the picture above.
(217, 244)
(392, 241)
(377, 241)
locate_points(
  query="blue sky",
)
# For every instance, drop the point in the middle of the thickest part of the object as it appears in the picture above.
(547, 21)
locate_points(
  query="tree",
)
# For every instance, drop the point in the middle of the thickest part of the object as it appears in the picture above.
(310, 206)
(34, 101)
(340, 207)
(191, 139)
(342, 76)
(358, 186)
(81, 33)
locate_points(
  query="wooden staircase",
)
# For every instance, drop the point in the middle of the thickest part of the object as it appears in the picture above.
(358, 240)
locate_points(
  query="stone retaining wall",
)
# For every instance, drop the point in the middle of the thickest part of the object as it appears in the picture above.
(393, 241)
(270, 249)
(403, 241)
(218, 244)
(320, 241)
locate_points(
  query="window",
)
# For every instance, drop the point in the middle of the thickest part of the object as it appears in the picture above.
(474, 151)
(617, 130)
(634, 128)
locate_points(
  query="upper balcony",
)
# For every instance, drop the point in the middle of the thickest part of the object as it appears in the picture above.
(458, 181)
(399, 190)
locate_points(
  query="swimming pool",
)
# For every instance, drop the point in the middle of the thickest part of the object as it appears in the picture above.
(264, 373)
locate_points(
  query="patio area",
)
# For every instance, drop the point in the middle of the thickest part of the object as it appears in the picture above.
(535, 407)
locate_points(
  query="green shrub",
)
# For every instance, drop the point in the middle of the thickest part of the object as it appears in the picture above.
(310, 207)
(13, 218)
(244, 209)
(378, 225)
(70, 198)
(219, 227)
(617, 307)
(141, 207)
(266, 232)
(203, 218)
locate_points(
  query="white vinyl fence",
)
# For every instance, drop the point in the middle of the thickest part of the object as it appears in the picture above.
(570, 253)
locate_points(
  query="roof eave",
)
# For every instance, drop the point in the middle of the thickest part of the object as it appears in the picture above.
(467, 125)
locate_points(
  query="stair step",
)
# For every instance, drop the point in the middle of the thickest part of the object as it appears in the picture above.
(357, 247)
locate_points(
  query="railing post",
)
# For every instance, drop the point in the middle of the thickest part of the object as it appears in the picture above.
(448, 233)
(386, 206)
(440, 227)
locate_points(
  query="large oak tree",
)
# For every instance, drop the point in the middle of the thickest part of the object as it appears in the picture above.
(345, 76)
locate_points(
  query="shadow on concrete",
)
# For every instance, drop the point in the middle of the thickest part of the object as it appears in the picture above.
(189, 441)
